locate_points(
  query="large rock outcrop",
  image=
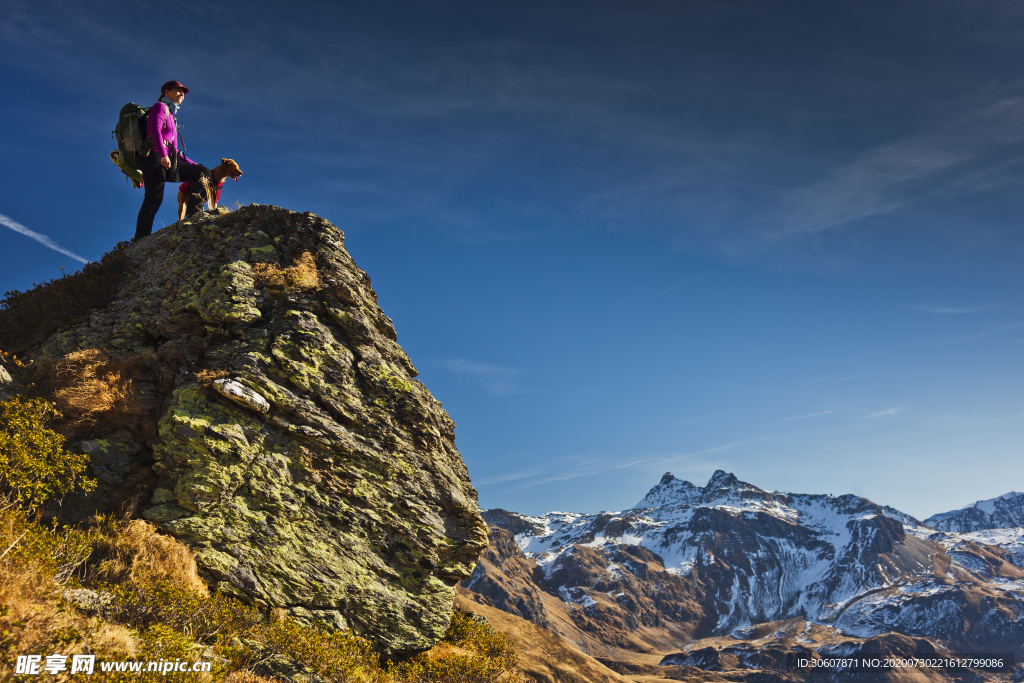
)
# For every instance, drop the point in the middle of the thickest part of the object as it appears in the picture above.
(287, 439)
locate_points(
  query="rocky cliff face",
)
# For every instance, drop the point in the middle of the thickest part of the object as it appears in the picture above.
(275, 424)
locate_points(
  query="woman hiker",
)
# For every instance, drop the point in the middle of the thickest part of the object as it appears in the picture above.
(165, 163)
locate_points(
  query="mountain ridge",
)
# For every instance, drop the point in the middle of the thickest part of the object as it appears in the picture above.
(1005, 511)
(726, 560)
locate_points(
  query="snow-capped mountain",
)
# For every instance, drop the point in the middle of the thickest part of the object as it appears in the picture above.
(1006, 511)
(691, 562)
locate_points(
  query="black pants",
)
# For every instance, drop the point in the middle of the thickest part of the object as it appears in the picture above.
(154, 176)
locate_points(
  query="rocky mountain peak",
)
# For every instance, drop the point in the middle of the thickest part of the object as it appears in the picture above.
(268, 418)
(673, 491)
(668, 489)
(1004, 511)
(720, 480)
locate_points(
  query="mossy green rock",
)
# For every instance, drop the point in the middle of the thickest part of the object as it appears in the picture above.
(346, 501)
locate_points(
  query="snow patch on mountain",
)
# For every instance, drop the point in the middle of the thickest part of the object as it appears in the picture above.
(1011, 540)
(1005, 511)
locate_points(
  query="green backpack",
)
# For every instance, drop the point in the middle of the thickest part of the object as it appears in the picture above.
(133, 145)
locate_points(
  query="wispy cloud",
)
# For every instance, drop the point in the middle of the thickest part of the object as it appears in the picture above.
(676, 457)
(884, 413)
(960, 155)
(716, 449)
(831, 379)
(804, 417)
(589, 471)
(502, 478)
(585, 465)
(1000, 418)
(495, 379)
(986, 333)
(947, 310)
(897, 438)
(42, 239)
(1003, 328)
(865, 187)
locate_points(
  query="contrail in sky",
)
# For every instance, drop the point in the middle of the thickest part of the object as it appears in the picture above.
(42, 239)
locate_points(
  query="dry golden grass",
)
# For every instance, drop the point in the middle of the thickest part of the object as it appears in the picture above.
(33, 617)
(302, 275)
(94, 393)
(304, 272)
(445, 650)
(543, 656)
(207, 377)
(88, 383)
(132, 550)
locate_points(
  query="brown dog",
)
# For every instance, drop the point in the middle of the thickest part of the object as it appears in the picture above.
(227, 169)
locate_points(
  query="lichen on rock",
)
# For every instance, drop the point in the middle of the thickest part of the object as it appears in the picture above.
(315, 473)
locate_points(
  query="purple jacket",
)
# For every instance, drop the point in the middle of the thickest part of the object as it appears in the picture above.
(160, 125)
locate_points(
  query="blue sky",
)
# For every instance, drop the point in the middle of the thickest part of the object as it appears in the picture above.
(618, 239)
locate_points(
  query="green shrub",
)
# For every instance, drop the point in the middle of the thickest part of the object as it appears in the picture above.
(56, 553)
(243, 638)
(337, 656)
(469, 652)
(34, 467)
(477, 636)
(157, 643)
(161, 642)
(224, 622)
(202, 618)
